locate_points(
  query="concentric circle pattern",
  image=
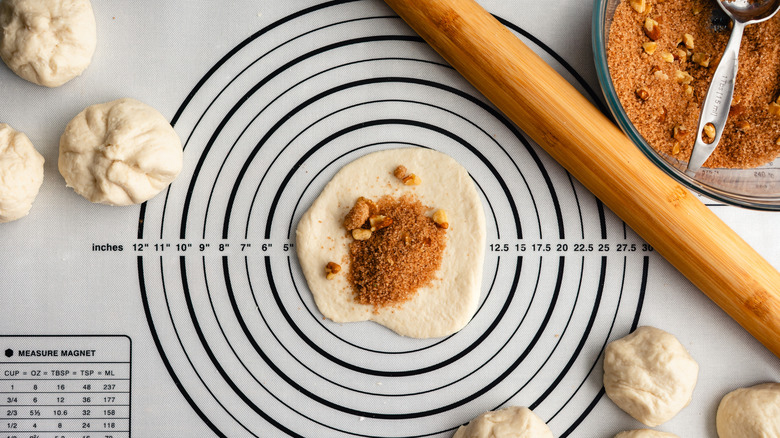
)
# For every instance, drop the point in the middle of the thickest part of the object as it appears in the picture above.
(264, 131)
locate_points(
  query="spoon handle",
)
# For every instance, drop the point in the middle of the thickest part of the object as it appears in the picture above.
(717, 104)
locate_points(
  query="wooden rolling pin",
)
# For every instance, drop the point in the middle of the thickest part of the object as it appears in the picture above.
(574, 132)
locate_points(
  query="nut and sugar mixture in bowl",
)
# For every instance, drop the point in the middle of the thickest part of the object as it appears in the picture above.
(662, 55)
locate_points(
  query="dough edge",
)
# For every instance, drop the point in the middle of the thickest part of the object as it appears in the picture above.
(21, 176)
(509, 422)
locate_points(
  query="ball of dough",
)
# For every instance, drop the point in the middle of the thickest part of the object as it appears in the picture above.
(750, 412)
(511, 422)
(21, 174)
(650, 375)
(645, 433)
(48, 42)
(119, 153)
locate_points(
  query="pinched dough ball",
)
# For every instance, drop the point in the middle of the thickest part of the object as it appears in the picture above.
(650, 375)
(645, 433)
(21, 174)
(750, 412)
(511, 422)
(48, 42)
(119, 153)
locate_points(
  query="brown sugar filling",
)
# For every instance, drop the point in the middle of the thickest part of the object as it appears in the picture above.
(662, 78)
(388, 268)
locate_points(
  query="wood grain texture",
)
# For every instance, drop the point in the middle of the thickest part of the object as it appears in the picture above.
(576, 134)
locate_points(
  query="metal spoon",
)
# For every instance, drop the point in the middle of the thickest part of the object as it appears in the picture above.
(716, 106)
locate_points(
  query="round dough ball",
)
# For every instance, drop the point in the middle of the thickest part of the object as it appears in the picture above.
(650, 375)
(645, 433)
(119, 153)
(48, 42)
(750, 412)
(511, 422)
(21, 174)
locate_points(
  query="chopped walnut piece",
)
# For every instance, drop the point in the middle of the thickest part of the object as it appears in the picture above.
(736, 109)
(380, 221)
(696, 9)
(679, 132)
(680, 55)
(331, 269)
(660, 75)
(688, 89)
(683, 77)
(662, 116)
(666, 56)
(361, 234)
(643, 93)
(774, 109)
(649, 47)
(708, 134)
(412, 180)
(702, 59)
(652, 29)
(372, 208)
(676, 148)
(742, 125)
(688, 41)
(358, 215)
(440, 218)
(639, 5)
(400, 172)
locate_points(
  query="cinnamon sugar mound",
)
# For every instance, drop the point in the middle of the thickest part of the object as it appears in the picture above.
(661, 100)
(396, 261)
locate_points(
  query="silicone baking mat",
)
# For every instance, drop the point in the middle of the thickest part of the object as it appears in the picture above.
(194, 305)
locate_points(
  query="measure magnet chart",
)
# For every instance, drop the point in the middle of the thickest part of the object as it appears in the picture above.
(65, 386)
(189, 315)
